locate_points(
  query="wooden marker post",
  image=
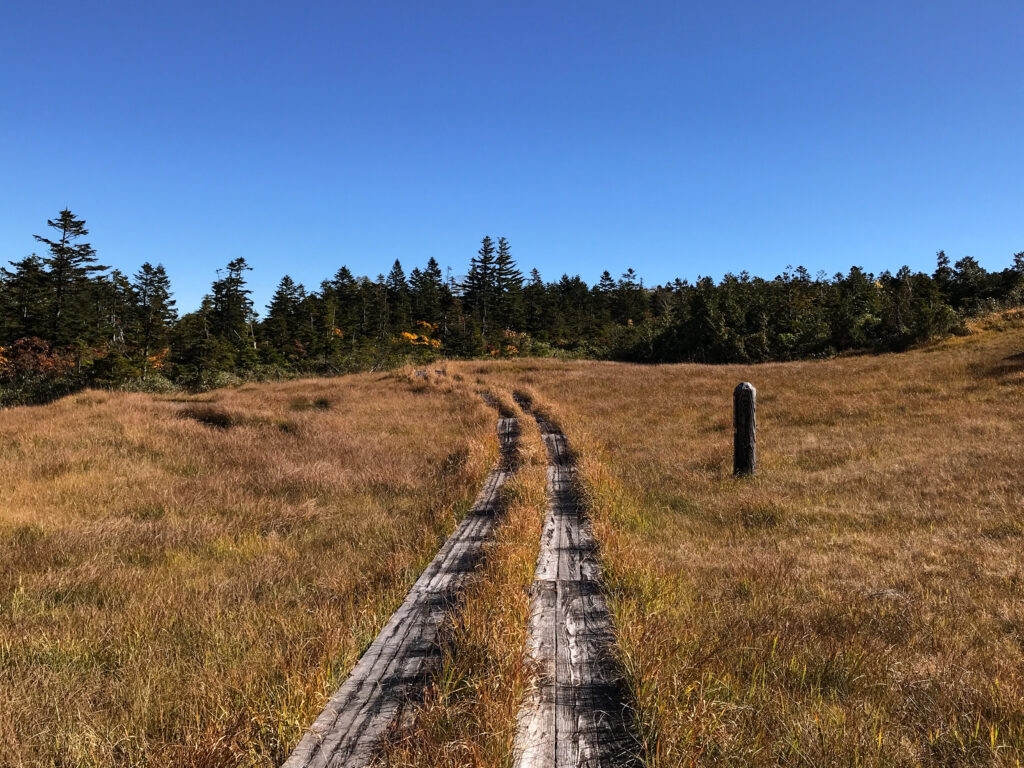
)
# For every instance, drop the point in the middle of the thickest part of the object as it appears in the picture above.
(744, 452)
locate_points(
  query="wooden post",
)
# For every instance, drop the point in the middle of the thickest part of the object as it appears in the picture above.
(744, 452)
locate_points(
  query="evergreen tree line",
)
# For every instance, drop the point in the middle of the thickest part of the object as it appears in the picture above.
(66, 320)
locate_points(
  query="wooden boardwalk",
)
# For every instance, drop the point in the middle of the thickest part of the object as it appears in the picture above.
(575, 715)
(399, 661)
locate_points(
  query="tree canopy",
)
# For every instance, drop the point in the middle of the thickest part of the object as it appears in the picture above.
(66, 320)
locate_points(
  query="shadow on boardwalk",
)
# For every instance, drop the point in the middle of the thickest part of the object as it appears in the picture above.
(577, 714)
(399, 662)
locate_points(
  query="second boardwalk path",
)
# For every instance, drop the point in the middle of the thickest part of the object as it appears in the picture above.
(575, 715)
(397, 664)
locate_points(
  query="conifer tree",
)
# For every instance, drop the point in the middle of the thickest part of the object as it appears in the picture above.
(427, 289)
(117, 324)
(631, 300)
(943, 272)
(115, 302)
(538, 307)
(155, 312)
(398, 297)
(1016, 291)
(479, 286)
(345, 291)
(508, 286)
(70, 265)
(604, 298)
(25, 300)
(282, 324)
(381, 309)
(232, 317)
(969, 284)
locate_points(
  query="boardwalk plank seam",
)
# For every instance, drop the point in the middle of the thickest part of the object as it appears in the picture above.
(399, 661)
(575, 713)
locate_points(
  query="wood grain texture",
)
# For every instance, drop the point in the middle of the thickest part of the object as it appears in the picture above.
(397, 664)
(575, 714)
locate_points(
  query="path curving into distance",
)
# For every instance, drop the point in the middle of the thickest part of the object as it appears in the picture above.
(398, 662)
(576, 714)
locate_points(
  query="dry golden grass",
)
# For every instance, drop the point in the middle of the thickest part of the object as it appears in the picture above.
(468, 716)
(861, 600)
(182, 583)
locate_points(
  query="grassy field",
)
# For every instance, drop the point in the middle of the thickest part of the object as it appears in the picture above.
(468, 717)
(183, 582)
(861, 600)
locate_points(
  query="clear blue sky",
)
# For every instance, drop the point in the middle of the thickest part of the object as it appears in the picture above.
(677, 138)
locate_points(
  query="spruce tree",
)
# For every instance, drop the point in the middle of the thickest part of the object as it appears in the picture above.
(508, 285)
(282, 324)
(398, 297)
(427, 288)
(969, 284)
(1016, 292)
(70, 266)
(115, 301)
(345, 290)
(479, 286)
(155, 312)
(632, 301)
(25, 300)
(380, 307)
(232, 317)
(538, 307)
(604, 298)
(943, 275)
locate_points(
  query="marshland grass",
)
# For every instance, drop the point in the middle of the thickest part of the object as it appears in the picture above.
(184, 581)
(468, 715)
(860, 601)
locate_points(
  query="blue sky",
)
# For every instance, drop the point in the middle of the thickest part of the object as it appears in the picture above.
(676, 138)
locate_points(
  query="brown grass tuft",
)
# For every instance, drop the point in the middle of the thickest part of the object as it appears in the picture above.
(860, 601)
(468, 716)
(174, 592)
(210, 415)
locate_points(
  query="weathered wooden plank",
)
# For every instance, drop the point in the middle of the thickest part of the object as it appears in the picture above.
(399, 661)
(575, 714)
(536, 724)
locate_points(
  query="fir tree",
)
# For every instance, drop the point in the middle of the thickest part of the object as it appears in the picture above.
(25, 300)
(398, 297)
(427, 288)
(1016, 292)
(508, 285)
(537, 306)
(282, 324)
(943, 275)
(232, 317)
(631, 300)
(604, 298)
(155, 312)
(479, 286)
(70, 266)
(346, 305)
